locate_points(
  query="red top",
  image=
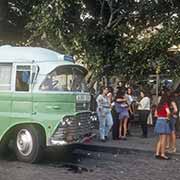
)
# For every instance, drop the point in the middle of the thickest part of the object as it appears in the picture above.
(162, 112)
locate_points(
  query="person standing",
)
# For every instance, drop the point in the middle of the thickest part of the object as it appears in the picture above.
(171, 139)
(121, 107)
(110, 94)
(129, 96)
(130, 100)
(115, 127)
(177, 100)
(162, 126)
(104, 114)
(144, 110)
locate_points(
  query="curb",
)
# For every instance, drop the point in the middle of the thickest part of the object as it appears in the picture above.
(111, 149)
(117, 150)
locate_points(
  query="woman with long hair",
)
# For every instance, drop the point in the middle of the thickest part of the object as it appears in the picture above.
(110, 93)
(171, 139)
(162, 126)
(121, 107)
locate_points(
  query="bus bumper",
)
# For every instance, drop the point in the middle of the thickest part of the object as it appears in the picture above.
(74, 129)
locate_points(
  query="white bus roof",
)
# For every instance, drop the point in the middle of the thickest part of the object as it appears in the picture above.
(9, 54)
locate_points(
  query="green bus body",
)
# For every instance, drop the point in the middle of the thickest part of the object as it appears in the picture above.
(46, 110)
(36, 114)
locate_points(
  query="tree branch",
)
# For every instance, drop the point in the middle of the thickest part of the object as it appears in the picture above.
(102, 2)
(113, 12)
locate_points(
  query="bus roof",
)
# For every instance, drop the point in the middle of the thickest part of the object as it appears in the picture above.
(9, 54)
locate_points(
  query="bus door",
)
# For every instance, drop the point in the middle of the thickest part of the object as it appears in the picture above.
(22, 96)
(5, 95)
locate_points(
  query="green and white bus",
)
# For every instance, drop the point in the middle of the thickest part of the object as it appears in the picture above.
(44, 101)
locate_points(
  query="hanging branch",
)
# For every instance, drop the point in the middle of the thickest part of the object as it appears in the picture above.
(102, 2)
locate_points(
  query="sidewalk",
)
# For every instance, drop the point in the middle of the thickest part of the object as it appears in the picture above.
(133, 143)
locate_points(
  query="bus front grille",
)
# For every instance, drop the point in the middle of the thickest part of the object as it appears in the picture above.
(74, 128)
(82, 106)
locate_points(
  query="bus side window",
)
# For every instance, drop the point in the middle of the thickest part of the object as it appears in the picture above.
(22, 78)
(5, 77)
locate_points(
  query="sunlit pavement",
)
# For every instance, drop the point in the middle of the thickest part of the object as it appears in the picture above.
(133, 143)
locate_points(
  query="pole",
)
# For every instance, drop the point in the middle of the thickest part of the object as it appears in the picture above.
(157, 83)
(157, 87)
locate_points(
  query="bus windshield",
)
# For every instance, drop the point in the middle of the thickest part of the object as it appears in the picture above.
(65, 78)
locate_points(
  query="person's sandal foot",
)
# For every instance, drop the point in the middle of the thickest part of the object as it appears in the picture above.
(124, 138)
(173, 150)
(164, 158)
(157, 156)
(120, 137)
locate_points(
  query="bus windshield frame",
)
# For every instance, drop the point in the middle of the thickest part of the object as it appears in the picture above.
(65, 78)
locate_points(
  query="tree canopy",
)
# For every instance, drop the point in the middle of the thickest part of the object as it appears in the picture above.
(127, 37)
(14, 15)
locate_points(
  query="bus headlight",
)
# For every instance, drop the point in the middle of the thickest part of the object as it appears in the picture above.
(67, 121)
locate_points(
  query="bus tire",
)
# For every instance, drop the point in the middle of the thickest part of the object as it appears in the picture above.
(29, 144)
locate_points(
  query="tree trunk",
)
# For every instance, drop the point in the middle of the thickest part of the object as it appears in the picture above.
(3, 13)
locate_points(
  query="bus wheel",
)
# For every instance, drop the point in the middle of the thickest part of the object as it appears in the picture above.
(29, 144)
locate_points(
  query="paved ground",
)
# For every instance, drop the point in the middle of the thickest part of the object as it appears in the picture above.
(134, 142)
(92, 166)
(138, 164)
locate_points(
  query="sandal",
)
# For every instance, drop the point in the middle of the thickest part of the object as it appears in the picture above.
(120, 137)
(124, 138)
(164, 158)
(172, 150)
(157, 156)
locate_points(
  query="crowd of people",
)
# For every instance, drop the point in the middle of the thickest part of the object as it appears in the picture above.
(116, 111)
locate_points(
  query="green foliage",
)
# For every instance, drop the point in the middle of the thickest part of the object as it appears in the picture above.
(14, 15)
(133, 36)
